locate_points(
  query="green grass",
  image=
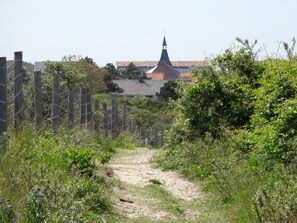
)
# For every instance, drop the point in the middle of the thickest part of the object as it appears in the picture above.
(165, 200)
(155, 181)
(51, 177)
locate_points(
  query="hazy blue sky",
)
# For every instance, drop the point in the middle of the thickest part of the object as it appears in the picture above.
(111, 30)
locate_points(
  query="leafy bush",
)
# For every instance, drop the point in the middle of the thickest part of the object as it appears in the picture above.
(168, 91)
(7, 214)
(35, 207)
(126, 140)
(52, 178)
(236, 130)
(277, 203)
(82, 159)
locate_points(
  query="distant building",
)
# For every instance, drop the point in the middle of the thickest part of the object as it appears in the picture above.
(159, 72)
(140, 88)
(164, 69)
(181, 66)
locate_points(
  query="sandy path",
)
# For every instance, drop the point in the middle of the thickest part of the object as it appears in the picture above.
(135, 169)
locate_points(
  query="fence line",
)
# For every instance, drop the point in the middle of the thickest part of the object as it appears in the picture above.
(50, 105)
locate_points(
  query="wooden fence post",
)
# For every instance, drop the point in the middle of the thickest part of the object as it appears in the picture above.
(18, 91)
(71, 106)
(55, 102)
(147, 138)
(97, 109)
(162, 139)
(83, 106)
(133, 125)
(114, 118)
(38, 100)
(155, 138)
(124, 120)
(3, 95)
(105, 120)
(89, 109)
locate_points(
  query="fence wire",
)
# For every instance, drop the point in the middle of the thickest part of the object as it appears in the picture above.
(84, 112)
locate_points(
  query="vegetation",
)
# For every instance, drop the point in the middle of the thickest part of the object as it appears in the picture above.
(51, 178)
(169, 91)
(132, 72)
(236, 130)
(150, 114)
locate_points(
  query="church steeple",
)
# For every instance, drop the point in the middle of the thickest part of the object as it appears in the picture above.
(164, 43)
(164, 54)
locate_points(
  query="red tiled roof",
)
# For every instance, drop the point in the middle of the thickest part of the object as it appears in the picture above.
(154, 63)
(168, 71)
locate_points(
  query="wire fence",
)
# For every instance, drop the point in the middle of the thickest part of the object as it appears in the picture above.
(22, 101)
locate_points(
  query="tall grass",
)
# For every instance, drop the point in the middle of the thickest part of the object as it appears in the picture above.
(51, 178)
(250, 192)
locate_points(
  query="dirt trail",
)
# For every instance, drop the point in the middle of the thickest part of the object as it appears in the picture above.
(134, 195)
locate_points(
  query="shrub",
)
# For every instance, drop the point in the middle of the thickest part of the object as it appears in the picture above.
(35, 210)
(35, 176)
(236, 129)
(82, 159)
(7, 214)
(277, 203)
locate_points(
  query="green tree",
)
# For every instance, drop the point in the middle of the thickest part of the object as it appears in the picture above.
(111, 74)
(98, 79)
(168, 91)
(94, 75)
(133, 72)
(222, 93)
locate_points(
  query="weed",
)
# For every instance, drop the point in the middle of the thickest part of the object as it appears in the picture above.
(35, 210)
(7, 213)
(155, 181)
(51, 178)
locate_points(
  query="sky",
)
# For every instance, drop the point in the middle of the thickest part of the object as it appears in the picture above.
(133, 30)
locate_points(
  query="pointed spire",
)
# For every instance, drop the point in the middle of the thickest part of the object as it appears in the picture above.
(164, 54)
(164, 42)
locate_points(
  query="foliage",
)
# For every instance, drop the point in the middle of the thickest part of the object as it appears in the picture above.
(221, 94)
(132, 72)
(236, 130)
(70, 76)
(126, 140)
(112, 72)
(82, 160)
(94, 75)
(290, 50)
(168, 91)
(277, 203)
(7, 213)
(35, 207)
(150, 114)
(52, 178)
